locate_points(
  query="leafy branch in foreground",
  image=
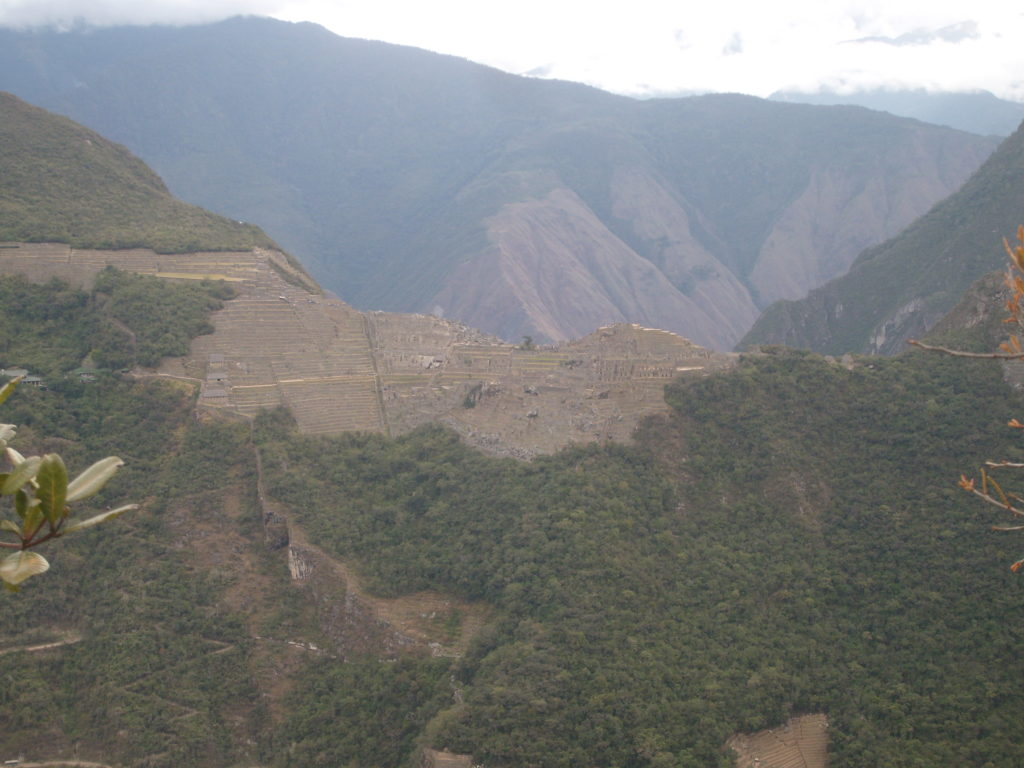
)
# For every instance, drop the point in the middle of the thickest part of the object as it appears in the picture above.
(990, 491)
(41, 493)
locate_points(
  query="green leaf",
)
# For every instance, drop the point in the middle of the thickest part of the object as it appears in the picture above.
(7, 432)
(15, 568)
(33, 518)
(52, 479)
(91, 481)
(8, 388)
(10, 525)
(22, 503)
(101, 518)
(20, 475)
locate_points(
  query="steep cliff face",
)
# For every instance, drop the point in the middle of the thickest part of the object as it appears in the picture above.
(555, 271)
(844, 210)
(636, 249)
(899, 289)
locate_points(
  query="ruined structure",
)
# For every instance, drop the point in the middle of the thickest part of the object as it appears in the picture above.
(280, 342)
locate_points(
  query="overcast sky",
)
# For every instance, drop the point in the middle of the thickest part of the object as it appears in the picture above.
(650, 46)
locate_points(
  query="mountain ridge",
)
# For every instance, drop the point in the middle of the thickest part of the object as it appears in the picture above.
(381, 168)
(977, 112)
(334, 368)
(60, 182)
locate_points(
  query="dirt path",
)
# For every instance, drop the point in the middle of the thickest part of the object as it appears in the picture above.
(67, 763)
(69, 639)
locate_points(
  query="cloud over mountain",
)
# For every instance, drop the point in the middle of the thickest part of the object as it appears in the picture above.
(648, 47)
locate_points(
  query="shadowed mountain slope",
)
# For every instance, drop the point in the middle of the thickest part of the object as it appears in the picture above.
(410, 181)
(899, 289)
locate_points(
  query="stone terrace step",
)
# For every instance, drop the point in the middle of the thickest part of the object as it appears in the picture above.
(332, 406)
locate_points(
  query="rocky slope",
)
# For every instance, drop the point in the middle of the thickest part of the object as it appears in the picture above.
(899, 289)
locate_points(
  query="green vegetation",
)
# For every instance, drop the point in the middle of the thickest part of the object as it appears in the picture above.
(60, 182)
(912, 589)
(126, 320)
(363, 713)
(962, 337)
(153, 670)
(157, 318)
(790, 541)
(40, 494)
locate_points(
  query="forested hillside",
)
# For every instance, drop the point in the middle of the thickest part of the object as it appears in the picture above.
(410, 181)
(60, 182)
(145, 663)
(902, 287)
(789, 541)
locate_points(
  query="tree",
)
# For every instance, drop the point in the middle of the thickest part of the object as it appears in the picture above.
(985, 486)
(40, 493)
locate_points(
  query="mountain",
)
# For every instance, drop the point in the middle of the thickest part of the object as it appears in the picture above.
(335, 369)
(410, 181)
(780, 565)
(899, 289)
(979, 112)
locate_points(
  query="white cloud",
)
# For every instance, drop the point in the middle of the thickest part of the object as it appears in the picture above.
(649, 46)
(65, 14)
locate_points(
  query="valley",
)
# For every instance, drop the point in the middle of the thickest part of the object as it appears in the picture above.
(410, 182)
(383, 539)
(902, 287)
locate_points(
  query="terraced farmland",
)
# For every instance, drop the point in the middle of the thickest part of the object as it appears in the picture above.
(801, 743)
(277, 343)
(280, 342)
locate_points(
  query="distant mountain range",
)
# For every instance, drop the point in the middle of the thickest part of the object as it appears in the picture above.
(900, 288)
(978, 112)
(410, 181)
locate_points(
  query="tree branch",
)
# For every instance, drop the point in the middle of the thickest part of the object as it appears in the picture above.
(995, 502)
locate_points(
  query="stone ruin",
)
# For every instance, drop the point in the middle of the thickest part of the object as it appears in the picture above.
(280, 342)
